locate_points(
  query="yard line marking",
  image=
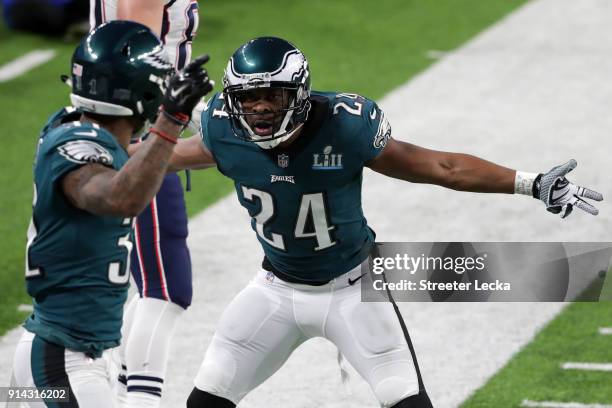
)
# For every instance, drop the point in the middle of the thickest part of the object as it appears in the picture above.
(587, 366)
(553, 404)
(25, 308)
(25, 63)
(605, 331)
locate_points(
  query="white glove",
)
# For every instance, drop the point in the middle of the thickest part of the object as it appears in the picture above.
(560, 195)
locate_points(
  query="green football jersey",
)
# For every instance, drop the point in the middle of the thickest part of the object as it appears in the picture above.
(77, 268)
(305, 200)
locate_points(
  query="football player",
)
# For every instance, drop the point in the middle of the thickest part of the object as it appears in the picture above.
(86, 195)
(161, 264)
(296, 157)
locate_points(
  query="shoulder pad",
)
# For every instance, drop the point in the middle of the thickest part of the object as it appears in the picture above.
(364, 124)
(66, 114)
(89, 136)
(214, 120)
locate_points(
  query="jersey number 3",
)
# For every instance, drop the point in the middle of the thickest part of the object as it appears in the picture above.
(312, 208)
(118, 271)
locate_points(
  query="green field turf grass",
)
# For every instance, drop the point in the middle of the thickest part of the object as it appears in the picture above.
(535, 373)
(359, 47)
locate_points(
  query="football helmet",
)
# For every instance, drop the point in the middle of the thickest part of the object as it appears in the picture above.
(119, 69)
(267, 64)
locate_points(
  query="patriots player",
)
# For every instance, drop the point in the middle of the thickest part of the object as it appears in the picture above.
(161, 263)
(296, 157)
(86, 195)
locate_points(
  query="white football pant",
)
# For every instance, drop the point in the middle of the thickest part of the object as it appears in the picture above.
(270, 318)
(39, 363)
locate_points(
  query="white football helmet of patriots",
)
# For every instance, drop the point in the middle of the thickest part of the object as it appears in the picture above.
(269, 63)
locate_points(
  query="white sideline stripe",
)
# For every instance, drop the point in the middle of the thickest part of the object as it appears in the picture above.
(553, 404)
(25, 308)
(25, 63)
(605, 331)
(587, 366)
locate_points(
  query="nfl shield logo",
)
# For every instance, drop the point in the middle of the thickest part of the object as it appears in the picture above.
(283, 160)
(270, 277)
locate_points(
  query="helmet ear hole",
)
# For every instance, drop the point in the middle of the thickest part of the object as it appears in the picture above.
(126, 50)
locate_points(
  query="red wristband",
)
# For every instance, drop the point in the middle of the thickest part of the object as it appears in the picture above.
(163, 135)
(178, 118)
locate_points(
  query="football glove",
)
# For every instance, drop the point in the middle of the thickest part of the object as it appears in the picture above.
(560, 195)
(184, 89)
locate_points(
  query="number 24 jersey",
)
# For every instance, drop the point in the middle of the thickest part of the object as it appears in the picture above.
(305, 200)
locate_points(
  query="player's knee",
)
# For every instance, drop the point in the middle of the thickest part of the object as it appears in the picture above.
(203, 399)
(396, 388)
(420, 400)
(217, 372)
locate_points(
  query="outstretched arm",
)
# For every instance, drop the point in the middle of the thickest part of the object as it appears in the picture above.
(188, 153)
(469, 173)
(191, 153)
(452, 170)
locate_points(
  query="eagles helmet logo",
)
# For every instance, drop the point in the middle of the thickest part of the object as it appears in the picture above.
(84, 151)
(157, 59)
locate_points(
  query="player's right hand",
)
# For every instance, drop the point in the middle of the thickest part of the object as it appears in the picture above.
(184, 89)
(560, 195)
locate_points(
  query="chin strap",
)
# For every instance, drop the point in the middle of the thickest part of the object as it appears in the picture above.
(272, 143)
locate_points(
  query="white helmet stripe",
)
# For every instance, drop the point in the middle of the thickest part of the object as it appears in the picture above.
(102, 108)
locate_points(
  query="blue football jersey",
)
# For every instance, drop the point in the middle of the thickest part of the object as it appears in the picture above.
(77, 263)
(305, 200)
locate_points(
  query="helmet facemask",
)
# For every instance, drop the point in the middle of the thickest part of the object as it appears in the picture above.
(267, 115)
(266, 88)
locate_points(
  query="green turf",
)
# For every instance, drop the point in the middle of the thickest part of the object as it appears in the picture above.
(535, 373)
(362, 47)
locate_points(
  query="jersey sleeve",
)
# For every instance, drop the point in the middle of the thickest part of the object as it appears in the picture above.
(212, 108)
(375, 132)
(76, 148)
(204, 131)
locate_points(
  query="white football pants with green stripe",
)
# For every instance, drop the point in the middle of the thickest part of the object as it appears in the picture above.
(89, 382)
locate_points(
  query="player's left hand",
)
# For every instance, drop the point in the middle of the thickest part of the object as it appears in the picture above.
(560, 195)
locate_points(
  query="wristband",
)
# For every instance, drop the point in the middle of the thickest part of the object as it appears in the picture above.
(178, 118)
(523, 182)
(163, 135)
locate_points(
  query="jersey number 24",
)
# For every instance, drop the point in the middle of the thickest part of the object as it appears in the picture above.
(311, 205)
